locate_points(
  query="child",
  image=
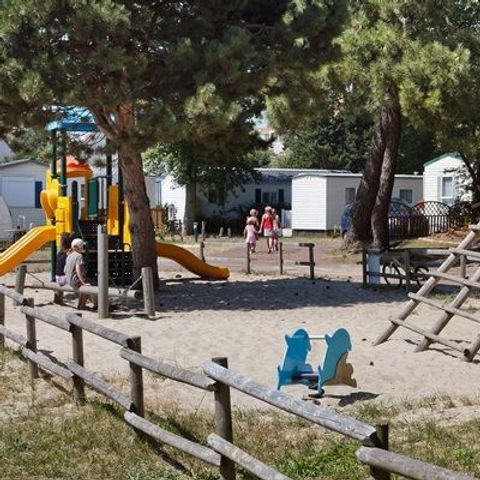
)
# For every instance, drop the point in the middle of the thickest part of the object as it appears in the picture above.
(250, 233)
(75, 272)
(60, 276)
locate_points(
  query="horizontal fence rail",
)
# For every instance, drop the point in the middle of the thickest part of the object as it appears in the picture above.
(329, 419)
(217, 378)
(104, 332)
(169, 371)
(244, 460)
(180, 443)
(406, 466)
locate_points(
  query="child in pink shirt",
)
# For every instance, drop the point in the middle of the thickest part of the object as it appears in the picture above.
(250, 233)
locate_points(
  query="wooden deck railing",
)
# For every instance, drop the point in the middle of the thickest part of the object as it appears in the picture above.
(221, 451)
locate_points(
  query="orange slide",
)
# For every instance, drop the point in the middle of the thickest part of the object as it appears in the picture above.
(191, 262)
(19, 251)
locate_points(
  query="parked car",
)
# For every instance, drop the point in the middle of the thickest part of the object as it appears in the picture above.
(397, 209)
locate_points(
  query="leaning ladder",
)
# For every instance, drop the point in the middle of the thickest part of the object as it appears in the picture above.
(447, 310)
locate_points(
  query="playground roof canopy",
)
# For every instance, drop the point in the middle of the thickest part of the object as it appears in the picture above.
(73, 119)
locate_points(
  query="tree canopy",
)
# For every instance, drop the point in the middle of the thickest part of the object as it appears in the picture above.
(155, 71)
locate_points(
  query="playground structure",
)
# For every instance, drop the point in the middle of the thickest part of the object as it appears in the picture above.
(460, 255)
(76, 202)
(333, 371)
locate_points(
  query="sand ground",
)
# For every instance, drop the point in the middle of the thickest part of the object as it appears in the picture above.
(246, 318)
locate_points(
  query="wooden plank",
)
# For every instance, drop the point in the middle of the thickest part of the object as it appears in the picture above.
(467, 253)
(16, 297)
(169, 371)
(175, 441)
(445, 308)
(32, 338)
(306, 245)
(136, 380)
(408, 467)
(427, 287)
(329, 419)
(304, 264)
(101, 331)
(223, 420)
(425, 333)
(77, 354)
(100, 385)
(246, 461)
(46, 364)
(442, 321)
(453, 278)
(475, 228)
(21, 273)
(14, 336)
(45, 317)
(88, 289)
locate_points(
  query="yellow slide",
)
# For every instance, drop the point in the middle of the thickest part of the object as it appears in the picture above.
(19, 251)
(191, 262)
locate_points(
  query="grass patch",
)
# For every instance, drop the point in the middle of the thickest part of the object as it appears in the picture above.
(54, 439)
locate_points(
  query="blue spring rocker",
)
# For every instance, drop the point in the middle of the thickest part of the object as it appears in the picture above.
(334, 370)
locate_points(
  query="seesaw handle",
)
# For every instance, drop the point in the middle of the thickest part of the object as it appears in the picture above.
(316, 337)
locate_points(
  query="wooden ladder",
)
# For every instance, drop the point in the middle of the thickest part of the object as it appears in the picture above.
(447, 310)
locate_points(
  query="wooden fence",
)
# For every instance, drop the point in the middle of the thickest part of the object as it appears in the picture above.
(216, 378)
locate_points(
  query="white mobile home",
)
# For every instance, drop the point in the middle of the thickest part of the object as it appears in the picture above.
(273, 186)
(21, 182)
(445, 179)
(319, 199)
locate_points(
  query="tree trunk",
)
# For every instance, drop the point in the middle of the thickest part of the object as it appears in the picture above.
(360, 233)
(190, 207)
(141, 223)
(387, 177)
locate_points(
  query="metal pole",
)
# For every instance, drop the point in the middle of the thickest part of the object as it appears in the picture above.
(204, 230)
(202, 250)
(53, 174)
(63, 166)
(148, 291)
(280, 256)
(364, 267)
(102, 265)
(121, 203)
(248, 259)
(406, 259)
(223, 420)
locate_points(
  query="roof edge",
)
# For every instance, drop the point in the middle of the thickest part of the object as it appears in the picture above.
(441, 157)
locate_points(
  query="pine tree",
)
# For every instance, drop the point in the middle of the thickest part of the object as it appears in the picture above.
(154, 71)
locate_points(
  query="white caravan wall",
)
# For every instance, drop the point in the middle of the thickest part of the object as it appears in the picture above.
(309, 197)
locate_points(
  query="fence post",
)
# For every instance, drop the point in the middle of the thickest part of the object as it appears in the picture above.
(77, 355)
(32, 339)
(382, 436)
(463, 266)
(223, 420)
(229, 232)
(311, 259)
(2, 318)
(202, 250)
(136, 380)
(204, 230)
(148, 291)
(21, 272)
(248, 259)
(220, 233)
(406, 260)
(102, 252)
(280, 256)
